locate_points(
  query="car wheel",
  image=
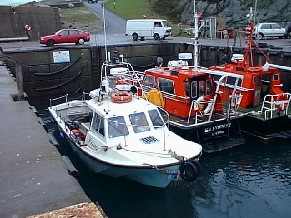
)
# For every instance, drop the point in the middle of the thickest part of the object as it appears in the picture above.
(156, 36)
(50, 43)
(259, 36)
(81, 41)
(135, 37)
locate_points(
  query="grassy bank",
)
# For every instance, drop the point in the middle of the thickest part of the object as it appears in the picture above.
(80, 18)
(84, 19)
(131, 9)
(135, 9)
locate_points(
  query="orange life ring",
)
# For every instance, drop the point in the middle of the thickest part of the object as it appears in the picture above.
(282, 97)
(121, 97)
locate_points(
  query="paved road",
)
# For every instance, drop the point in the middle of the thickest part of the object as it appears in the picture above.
(115, 35)
(114, 23)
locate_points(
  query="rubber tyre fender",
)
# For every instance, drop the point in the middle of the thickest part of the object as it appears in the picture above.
(190, 171)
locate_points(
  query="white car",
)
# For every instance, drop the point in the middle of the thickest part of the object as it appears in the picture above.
(263, 30)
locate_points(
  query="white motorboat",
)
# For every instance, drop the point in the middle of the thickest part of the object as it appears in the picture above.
(119, 134)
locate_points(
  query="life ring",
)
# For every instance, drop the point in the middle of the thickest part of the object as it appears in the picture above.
(197, 105)
(190, 170)
(282, 105)
(235, 100)
(27, 27)
(121, 97)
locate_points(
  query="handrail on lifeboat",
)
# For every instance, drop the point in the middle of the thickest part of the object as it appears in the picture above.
(274, 102)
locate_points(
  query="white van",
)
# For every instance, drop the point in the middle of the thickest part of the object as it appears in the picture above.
(141, 28)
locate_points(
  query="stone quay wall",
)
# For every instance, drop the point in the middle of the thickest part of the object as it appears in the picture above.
(66, 69)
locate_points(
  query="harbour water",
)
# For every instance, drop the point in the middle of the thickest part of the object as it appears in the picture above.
(252, 180)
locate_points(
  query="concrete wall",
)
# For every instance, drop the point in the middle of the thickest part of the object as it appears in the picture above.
(82, 73)
(43, 20)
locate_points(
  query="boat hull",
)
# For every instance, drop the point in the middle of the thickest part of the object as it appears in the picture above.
(155, 176)
(267, 130)
(215, 136)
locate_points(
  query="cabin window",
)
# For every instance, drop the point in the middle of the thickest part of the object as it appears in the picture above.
(276, 77)
(98, 124)
(166, 85)
(187, 88)
(209, 88)
(139, 122)
(149, 81)
(194, 89)
(117, 127)
(201, 88)
(156, 118)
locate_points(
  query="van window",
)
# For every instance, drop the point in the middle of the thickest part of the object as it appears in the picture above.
(166, 23)
(158, 24)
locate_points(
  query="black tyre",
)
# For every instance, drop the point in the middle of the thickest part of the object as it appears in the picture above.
(135, 37)
(156, 36)
(50, 43)
(260, 36)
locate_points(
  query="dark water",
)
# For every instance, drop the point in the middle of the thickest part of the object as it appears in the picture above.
(253, 180)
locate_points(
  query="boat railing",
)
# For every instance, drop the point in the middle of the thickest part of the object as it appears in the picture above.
(52, 100)
(201, 113)
(65, 99)
(235, 100)
(239, 88)
(274, 103)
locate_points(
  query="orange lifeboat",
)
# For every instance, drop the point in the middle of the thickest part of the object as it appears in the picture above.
(121, 97)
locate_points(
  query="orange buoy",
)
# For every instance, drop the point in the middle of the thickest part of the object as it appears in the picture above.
(121, 97)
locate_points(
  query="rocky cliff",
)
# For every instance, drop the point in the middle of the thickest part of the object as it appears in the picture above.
(235, 11)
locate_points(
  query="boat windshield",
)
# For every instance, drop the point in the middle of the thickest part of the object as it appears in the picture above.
(139, 122)
(156, 118)
(117, 127)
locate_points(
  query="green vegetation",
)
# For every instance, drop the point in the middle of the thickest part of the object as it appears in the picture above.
(85, 19)
(76, 14)
(131, 9)
(135, 9)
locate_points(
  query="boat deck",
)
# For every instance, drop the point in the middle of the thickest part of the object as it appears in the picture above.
(203, 119)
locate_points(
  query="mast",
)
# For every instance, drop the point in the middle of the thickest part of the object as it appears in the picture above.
(195, 38)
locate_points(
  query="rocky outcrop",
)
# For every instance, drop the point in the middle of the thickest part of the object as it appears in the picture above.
(235, 11)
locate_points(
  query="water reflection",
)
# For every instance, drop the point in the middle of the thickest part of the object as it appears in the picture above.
(250, 181)
(253, 180)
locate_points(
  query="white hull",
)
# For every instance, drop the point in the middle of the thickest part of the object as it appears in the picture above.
(154, 164)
